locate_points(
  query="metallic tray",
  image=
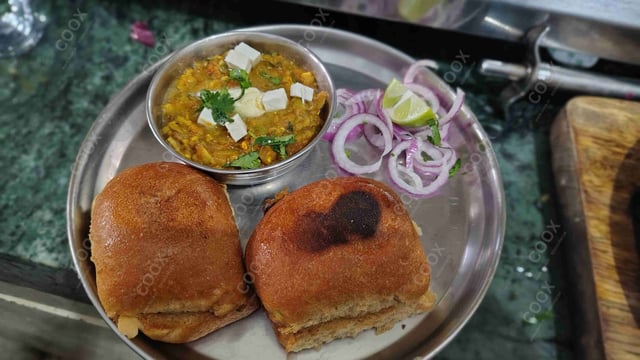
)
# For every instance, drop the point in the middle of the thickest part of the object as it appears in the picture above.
(463, 227)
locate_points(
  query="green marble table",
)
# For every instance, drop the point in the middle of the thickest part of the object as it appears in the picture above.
(50, 97)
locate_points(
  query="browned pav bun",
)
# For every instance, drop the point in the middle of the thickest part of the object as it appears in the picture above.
(337, 257)
(167, 253)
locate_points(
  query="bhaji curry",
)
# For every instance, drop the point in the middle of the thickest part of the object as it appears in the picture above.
(257, 107)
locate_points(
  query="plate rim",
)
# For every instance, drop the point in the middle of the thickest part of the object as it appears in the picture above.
(121, 96)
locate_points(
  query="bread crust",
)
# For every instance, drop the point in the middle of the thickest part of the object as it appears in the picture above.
(356, 267)
(164, 241)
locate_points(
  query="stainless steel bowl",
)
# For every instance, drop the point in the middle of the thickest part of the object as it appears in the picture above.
(218, 44)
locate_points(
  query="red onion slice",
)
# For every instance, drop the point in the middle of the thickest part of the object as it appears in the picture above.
(367, 97)
(455, 108)
(444, 132)
(417, 66)
(417, 180)
(373, 136)
(343, 95)
(363, 115)
(382, 113)
(401, 133)
(413, 149)
(419, 190)
(340, 139)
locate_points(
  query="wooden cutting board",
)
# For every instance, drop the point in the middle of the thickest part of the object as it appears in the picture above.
(596, 162)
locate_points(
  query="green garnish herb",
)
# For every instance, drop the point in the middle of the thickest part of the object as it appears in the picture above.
(275, 140)
(277, 143)
(247, 161)
(348, 153)
(275, 80)
(435, 131)
(290, 126)
(220, 103)
(454, 169)
(425, 156)
(242, 77)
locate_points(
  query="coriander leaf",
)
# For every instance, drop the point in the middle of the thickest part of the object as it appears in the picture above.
(275, 80)
(277, 143)
(454, 169)
(275, 140)
(242, 77)
(280, 149)
(220, 103)
(425, 156)
(435, 132)
(247, 161)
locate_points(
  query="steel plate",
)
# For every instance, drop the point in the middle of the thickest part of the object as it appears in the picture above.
(463, 227)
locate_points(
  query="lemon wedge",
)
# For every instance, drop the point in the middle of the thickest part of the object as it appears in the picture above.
(393, 93)
(411, 111)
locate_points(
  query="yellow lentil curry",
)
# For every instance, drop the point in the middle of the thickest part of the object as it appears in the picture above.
(212, 145)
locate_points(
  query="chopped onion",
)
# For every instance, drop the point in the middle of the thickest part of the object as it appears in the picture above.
(411, 73)
(418, 189)
(440, 156)
(417, 181)
(365, 99)
(373, 135)
(340, 139)
(411, 153)
(455, 108)
(444, 133)
(343, 95)
(401, 133)
(382, 113)
(362, 114)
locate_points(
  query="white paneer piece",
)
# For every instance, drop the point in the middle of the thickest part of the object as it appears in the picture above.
(237, 129)
(206, 118)
(273, 100)
(302, 91)
(248, 51)
(238, 60)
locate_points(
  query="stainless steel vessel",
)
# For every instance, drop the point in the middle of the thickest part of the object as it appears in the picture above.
(217, 44)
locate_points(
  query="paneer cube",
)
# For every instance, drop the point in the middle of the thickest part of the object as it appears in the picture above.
(237, 129)
(302, 91)
(275, 100)
(248, 51)
(206, 118)
(238, 60)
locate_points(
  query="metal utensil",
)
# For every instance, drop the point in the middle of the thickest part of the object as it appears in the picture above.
(218, 44)
(535, 78)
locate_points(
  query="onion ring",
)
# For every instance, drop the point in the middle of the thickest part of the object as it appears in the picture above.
(340, 139)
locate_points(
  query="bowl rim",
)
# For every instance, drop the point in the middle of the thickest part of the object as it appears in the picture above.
(244, 36)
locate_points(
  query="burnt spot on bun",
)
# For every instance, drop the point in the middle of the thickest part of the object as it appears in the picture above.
(353, 213)
(358, 212)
